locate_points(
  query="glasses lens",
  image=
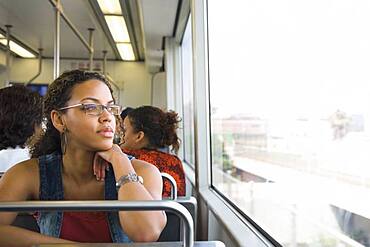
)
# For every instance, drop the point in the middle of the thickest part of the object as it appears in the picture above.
(114, 109)
(96, 110)
(92, 109)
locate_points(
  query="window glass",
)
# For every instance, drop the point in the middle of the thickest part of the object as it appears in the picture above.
(290, 116)
(187, 80)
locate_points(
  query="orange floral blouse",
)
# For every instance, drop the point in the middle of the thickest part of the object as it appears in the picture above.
(165, 162)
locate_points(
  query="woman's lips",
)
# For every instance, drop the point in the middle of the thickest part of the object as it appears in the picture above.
(107, 132)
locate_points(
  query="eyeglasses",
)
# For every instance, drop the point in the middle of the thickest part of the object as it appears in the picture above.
(95, 109)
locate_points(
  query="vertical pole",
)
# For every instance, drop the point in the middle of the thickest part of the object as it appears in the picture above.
(7, 54)
(57, 40)
(40, 60)
(91, 51)
(105, 62)
(40, 68)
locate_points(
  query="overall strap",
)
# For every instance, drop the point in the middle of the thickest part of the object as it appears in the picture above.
(51, 186)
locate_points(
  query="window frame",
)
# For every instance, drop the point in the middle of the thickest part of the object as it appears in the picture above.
(240, 229)
(190, 163)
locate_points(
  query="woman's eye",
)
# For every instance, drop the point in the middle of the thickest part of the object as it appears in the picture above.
(90, 107)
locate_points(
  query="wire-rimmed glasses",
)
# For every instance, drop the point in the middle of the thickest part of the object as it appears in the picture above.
(95, 109)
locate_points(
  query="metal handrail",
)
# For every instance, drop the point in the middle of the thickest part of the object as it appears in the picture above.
(112, 82)
(174, 207)
(58, 6)
(7, 61)
(56, 62)
(173, 184)
(89, 45)
(40, 68)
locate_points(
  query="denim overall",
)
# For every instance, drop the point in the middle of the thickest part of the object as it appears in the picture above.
(51, 188)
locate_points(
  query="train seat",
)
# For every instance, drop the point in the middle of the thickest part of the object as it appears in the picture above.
(26, 221)
(171, 232)
(173, 229)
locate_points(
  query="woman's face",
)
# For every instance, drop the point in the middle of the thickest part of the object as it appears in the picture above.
(90, 132)
(130, 139)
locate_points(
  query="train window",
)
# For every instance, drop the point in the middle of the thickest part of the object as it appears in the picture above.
(35, 87)
(290, 110)
(188, 102)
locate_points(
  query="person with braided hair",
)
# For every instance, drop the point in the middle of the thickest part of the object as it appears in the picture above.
(147, 130)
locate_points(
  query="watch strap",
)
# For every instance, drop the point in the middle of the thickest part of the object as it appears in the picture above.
(131, 177)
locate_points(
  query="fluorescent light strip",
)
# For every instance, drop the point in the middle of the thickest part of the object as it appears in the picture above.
(117, 27)
(125, 51)
(19, 50)
(112, 7)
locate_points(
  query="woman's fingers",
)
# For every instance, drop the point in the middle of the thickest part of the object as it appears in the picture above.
(102, 170)
(109, 155)
(98, 167)
(95, 165)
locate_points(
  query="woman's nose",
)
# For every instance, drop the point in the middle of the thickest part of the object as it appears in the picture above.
(106, 116)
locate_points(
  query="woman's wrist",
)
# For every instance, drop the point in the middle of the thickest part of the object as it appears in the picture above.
(121, 164)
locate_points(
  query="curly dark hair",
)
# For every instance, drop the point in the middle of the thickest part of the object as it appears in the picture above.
(20, 113)
(158, 126)
(58, 94)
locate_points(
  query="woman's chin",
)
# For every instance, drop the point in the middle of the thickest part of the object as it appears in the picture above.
(103, 146)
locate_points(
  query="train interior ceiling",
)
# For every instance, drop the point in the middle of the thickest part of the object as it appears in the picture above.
(148, 23)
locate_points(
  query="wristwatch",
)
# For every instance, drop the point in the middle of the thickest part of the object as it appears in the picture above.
(131, 177)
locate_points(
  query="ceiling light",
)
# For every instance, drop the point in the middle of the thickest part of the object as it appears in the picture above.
(125, 51)
(2, 36)
(112, 7)
(19, 50)
(117, 27)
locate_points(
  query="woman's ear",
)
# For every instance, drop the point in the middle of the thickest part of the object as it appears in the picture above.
(57, 120)
(140, 136)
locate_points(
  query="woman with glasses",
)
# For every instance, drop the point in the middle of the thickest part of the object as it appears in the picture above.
(80, 112)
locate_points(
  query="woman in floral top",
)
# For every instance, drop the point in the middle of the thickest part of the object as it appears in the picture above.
(147, 130)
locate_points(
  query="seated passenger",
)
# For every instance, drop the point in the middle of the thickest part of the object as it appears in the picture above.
(20, 120)
(79, 108)
(119, 125)
(148, 129)
(125, 112)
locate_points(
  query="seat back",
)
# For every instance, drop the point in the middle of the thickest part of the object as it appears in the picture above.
(172, 231)
(166, 205)
(173, 184)
(174, 228)
(26, 221)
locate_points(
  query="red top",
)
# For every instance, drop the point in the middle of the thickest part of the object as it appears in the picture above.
(165, 162)
(88, 227)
